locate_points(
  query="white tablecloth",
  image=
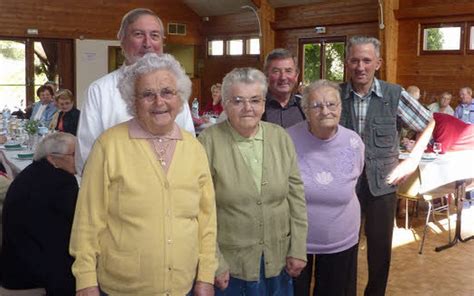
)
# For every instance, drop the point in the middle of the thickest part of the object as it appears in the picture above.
(12, 156)
(446, 168)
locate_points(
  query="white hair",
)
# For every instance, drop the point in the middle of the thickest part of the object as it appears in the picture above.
(152, 62)
(243, 75)
(314, 86)
(54, 143)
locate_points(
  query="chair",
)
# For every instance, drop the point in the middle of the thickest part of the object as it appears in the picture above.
(409, 191)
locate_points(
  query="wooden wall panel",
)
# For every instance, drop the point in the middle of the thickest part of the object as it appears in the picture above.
(434, 74)
(324, 14)
(217, 67)
(289, 39)
(90, 19)
(243, 23)
(341, 19)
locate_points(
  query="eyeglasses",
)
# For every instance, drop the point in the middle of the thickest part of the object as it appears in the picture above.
(62, 154)
(164, 93)
(318, 107)
(154, 35)
(240, 101)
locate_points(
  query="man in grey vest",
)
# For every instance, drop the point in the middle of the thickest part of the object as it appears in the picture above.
(371, 107)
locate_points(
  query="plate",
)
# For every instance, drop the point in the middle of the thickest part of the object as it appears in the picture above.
(23, 158)
(428, 156)
(14, 148)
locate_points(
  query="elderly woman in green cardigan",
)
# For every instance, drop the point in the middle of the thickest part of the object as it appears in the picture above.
(261, 211)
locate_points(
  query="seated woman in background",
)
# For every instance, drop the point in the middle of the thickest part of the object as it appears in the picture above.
(67, 118)
(261, 212)
(37, 219)
(331, 159)
(442, 106)
(44, 109)
(145, 221)
(214, 107)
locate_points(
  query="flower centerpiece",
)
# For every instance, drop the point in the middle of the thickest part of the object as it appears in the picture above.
(31, 128)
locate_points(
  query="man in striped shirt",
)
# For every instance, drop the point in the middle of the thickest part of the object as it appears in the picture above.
(372, 108)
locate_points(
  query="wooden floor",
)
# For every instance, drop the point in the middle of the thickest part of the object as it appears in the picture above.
(450, 272)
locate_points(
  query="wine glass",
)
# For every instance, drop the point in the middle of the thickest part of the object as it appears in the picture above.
(437, 147)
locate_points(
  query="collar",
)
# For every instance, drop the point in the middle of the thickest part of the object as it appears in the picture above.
(136, 131)
(238, 138)
(274, 103)
(375, 88)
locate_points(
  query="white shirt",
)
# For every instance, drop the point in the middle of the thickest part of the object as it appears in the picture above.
(104, 108)
(40, 111)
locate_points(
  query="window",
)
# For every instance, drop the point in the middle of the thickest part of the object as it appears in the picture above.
(442, 38)
(28, 63)
(216, 47)
(322, 58)
(470, 45)
(235, 47)
(253, 46)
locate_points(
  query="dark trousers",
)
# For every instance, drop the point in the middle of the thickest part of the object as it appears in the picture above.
(379, 212)
(335, 274)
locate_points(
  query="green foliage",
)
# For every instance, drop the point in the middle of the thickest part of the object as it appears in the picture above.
(434, 39)
(11, 50)
(312, 62)
(31, 127)
(334, 62)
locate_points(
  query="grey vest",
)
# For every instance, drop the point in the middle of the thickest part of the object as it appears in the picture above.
(380, 134)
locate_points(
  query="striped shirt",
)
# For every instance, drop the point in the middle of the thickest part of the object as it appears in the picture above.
(410, 111)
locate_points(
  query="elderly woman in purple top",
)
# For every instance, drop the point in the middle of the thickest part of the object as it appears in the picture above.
(330, 158)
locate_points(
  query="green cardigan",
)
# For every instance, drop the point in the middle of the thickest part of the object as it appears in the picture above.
(272, 223)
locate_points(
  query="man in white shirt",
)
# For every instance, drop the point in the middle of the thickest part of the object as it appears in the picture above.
(141, 32)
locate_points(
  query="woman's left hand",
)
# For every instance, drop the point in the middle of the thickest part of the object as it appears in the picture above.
(203, 289)
(294, 266)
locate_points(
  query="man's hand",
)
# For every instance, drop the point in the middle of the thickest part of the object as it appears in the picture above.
(89, 291)
(203, 289)
(294, 266)
(222, 281)
(402, 171)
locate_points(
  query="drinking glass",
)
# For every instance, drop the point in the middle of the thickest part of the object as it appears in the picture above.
(437, 147)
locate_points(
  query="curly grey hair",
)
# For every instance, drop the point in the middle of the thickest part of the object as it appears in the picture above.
(149, 63)
(314, 86)
(359, 40)
(243, 75)
(54, 143)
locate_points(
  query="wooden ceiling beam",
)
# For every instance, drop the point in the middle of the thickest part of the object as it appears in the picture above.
(441, 10)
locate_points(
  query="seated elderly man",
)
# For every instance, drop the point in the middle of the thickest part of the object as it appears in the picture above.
(442, 106)
(37, 218)
(465, 110)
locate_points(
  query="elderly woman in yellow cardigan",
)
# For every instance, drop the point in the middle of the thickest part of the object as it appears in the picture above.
(261, 211)
(145, 221)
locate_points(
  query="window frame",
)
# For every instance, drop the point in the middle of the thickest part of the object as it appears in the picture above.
(421, 42)
(245, 49)
(469, 37)
(223, 47)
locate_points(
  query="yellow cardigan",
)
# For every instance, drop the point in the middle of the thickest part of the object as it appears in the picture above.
(138, 231)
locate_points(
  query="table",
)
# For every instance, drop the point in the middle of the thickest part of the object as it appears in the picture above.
(448, 173)
(11, 155)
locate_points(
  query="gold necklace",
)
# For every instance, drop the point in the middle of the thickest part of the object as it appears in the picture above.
(161, 147)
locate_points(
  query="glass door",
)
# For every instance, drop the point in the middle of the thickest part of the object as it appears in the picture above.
(322, 58)
(26, 64)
